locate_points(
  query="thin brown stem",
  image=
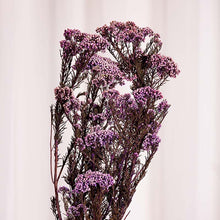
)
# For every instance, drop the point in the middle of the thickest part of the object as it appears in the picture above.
(51, 148)
(127, 215)
(56, 181)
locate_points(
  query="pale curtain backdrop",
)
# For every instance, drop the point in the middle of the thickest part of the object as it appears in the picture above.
(184, 177)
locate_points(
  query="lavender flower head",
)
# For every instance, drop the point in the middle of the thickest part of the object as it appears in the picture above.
(100, 138)
(77, 42)
(151, 142)
(63, 94)
(125, 32)
(109, 73)
(144, 94)
(84, 182)
(163, 106)
(164, 66)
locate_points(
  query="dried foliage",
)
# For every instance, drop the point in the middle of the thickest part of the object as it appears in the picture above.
(111, 132)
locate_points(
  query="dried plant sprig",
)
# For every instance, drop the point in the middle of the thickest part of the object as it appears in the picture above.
(114, 136)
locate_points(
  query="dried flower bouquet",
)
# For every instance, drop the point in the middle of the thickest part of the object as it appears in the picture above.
(114, 136)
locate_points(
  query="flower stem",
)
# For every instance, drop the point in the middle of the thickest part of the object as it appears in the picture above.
(56, 181)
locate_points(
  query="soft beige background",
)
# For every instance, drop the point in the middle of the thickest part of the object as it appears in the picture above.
(184, 177)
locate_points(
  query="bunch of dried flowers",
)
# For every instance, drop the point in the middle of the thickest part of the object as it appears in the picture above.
(114, 135)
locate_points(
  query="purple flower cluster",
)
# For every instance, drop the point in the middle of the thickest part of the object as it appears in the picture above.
(145, 94)
(77, 42)
(163, 106)
(100, 117)
(69, 48)
(63, 94)
(164, 66)
(108, 72)
(100, 138)
(72, 104)
(151, 141)
(75, 210)
(122, 106)
(86, 41)
(92, 178)
(125, 32)
(111, 94)
(125, 104)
